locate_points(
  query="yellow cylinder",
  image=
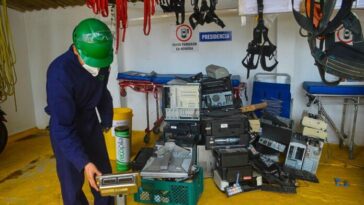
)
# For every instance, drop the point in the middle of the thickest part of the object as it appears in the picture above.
(122, 116)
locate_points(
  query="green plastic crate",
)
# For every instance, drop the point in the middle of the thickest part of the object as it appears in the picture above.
(170, 192)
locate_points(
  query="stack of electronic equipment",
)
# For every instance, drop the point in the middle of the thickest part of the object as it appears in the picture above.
(225, 131)
(267, 147)
(171, 175)
(305, 149)
(208, 133)
(301, 151)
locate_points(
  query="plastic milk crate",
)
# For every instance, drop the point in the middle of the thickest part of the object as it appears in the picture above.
(170, 192)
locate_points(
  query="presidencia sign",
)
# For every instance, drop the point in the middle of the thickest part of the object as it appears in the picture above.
(215, 36)
(183, 39)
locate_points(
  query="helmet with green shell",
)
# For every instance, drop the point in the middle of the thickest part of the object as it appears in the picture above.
(94, 42)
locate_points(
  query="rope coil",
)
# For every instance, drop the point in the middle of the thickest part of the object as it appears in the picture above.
(8, 76)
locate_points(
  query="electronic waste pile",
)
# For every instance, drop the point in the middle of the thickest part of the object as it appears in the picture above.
(208, 133)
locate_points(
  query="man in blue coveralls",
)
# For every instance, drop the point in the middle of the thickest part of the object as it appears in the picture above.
(76, 87)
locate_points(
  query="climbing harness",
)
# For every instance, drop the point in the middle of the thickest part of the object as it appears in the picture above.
(176, 6)
(166, 5)
(196, 17)
(179, 10)
(259, 50)
(204, 14)
(211, 15)
(344, 59)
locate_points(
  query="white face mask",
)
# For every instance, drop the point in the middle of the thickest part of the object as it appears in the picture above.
(93, 70)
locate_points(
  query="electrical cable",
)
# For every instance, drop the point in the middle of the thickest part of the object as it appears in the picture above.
(8, 76)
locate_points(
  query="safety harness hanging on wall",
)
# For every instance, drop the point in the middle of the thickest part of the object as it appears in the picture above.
(257, 50)
(337, 58)
(176, 6)
(204, 14)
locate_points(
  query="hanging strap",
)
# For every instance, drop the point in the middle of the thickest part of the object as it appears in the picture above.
(121, 9)
(260, 47)
(249, 61)
(211, 15)
(179, 9)
(196, 17)
(252, 58)
(166, 5)
(204, 9)
(149, 10)
(319, 56)
(325, 25)
(99, 6)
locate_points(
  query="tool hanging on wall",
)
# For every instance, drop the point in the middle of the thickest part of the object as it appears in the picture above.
(176, 6)
(204, 14)
(344, 59)
(8, 76)
(258, 50)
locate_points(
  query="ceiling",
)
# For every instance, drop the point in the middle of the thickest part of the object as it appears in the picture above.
(31, 5)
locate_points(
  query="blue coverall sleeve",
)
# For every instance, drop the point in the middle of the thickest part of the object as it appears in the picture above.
(63, 113)
(105, 107)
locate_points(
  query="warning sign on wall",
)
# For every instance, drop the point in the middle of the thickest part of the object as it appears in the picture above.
(183, 39)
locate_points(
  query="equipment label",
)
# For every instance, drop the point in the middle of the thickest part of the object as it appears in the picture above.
(224, 126)
(123, 150)
(216, 36)
(183, 39)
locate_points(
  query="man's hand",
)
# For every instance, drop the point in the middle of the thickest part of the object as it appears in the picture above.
(91, 172)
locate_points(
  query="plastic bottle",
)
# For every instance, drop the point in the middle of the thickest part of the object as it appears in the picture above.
(122, 148)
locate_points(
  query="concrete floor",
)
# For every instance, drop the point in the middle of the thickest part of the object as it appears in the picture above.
(28, 176)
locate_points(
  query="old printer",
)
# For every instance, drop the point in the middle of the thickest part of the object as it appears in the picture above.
(225, 131)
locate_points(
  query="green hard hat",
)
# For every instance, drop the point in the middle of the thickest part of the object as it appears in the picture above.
(93, 41)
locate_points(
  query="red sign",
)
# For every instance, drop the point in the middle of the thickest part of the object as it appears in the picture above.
(184, 32)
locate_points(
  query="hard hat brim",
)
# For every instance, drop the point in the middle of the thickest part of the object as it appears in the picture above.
(98, 62)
